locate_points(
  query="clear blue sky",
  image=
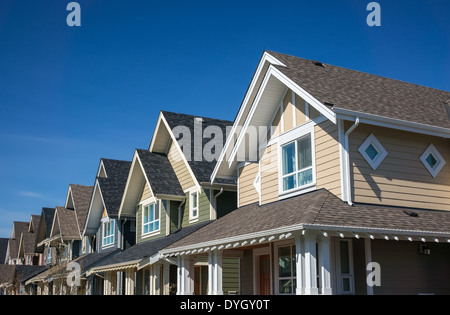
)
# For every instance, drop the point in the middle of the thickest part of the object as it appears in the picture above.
(69, 96)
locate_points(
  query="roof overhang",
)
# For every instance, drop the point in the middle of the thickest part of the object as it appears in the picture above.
(382, 121)
(134, 264)
(95, 212)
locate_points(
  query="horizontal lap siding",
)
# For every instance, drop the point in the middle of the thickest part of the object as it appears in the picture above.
(269, 175)
(401, 179)
(180, 168)
(247, 191)
(328, 173)
(230, 275)
(204, 208)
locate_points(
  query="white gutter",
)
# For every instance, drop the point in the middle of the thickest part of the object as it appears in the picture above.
(346, 168)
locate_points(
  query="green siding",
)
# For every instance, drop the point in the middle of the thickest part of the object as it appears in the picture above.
(230, 275)
(203, 208)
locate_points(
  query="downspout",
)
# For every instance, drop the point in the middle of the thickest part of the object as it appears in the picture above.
(348, 190)
(215, 201)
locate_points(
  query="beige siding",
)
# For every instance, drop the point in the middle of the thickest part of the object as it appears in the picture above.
(401, 179)
(180, 167)
(146, 192)
(276, 124)
(269, 175)
(247, 192)
(328, 174)
(300, 116)
(288, 112)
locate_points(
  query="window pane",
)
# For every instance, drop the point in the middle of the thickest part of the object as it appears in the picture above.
(345, 261)
(284, 261)
(304, 152)
(285, 286)
(156, 225)
(152, 214)
(289, 182)
(371, 152)
(294, 267)
(156, 212)
(145, 229)
(431, 160)
(305, 177)
(288, 158)
(194, 200)
(346, 284)
(146, 214)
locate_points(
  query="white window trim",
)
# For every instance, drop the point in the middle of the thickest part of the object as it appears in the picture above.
(293, 135)
(154, 232)
(440, 160)
(193, 218)
(105, 221)
(339, 275)
(379, 158)
(277, 279)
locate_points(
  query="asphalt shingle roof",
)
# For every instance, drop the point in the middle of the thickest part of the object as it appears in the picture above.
(81, 196)
(160, 173)
(367, 93)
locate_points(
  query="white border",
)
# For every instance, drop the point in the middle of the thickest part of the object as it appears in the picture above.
(440, 160)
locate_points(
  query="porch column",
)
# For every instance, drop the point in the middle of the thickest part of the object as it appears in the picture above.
(310, 264)
(217, 282)
(129, 282)
(299, 265)
(324, 266)
(180, 283)
(157, 279)
(210, 273)
(166, 279)
(188, 275)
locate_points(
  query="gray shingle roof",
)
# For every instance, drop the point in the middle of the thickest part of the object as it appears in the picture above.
(201, 169)
(367, 93)
(81, 196)
(66, 226)
(318, 208)
(113, 186)
(3, 248)
(160, 173)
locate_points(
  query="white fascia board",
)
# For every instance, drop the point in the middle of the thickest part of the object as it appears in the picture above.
(393, 123)
(69, 193)
(155, 133)
(266, 57)
(272, 71)
(96, 186)
(133, 163)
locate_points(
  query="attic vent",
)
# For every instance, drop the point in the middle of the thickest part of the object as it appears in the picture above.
(411, 213)
(318, 63)
(329, 104)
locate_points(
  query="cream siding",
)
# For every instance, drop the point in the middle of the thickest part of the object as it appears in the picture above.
(328, 174)
(146, 192)
(180, 167)
(401, 179)
(269, 175)
(288, 112)
(247, 191)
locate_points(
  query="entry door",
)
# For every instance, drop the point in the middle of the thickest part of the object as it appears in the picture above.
(344, 266)
(264, 274)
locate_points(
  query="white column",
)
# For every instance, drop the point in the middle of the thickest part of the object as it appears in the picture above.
(368, 255)
(157, 279)
(166, 278)
(188, 275)
(218, 290)
(180, 283)
(210, 273)
(310, 265)
(299, 265)
(324, 266)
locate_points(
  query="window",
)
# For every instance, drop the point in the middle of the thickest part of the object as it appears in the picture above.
(297, 167)
(432, 160)
(108, 232)
(372, 151)
(194, 205)
(286, 269)
(150, 219)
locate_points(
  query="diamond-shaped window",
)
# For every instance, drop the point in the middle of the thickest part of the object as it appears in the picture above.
(372, 151)
(432, 160)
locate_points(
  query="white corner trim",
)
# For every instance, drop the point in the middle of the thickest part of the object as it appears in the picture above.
(440, 162)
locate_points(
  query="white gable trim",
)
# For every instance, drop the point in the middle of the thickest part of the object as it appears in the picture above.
(272, 71)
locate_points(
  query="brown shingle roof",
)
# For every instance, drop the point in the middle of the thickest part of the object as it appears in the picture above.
(316, 209)
(367, 93)
(66, 224)
(81, 196)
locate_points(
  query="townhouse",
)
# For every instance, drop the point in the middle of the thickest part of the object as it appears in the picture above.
(168, 196)
(329, 181)
(344, 185)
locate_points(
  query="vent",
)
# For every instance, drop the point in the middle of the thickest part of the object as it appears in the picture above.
(318, 63)
(411, 213)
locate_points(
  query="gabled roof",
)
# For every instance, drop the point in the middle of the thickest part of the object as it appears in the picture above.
(319, 210)
(3, 249)
(200, 168)
(14, 242)
(65, 224)
(43, 230)
(78, 199)
(155, 170)
(367, 93)
(7, 273)
(108, 191)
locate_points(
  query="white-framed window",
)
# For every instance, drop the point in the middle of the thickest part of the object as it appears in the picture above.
(150, 218)
(372, 151)
(286, 269)
(344, 266)
(193, 208)
(433, 161)
(297, 169)
(108, 232)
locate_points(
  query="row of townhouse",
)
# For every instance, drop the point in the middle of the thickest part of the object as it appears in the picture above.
(329, 181)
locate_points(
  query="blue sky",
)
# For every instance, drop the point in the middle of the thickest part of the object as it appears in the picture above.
(70, 96)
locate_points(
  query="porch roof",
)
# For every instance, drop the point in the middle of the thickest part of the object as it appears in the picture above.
(319, 210)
